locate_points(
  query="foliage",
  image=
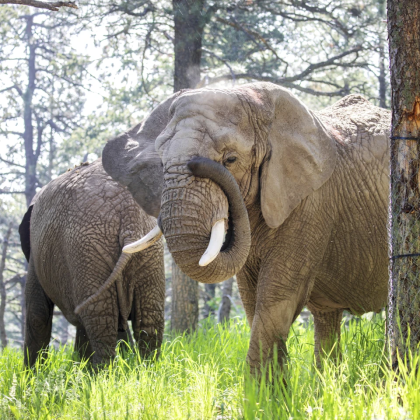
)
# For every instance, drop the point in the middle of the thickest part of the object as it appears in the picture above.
(204, 376)
(327, 49)
(43, 88)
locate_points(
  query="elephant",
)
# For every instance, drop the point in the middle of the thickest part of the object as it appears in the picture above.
(292, 201)
(72, 236)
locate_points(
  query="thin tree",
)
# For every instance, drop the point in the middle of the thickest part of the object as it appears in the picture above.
(404, 297)
(3, 296)
(184, 310)
(223, 313)
(208, 296)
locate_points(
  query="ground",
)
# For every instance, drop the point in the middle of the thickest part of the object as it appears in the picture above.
(204, 376)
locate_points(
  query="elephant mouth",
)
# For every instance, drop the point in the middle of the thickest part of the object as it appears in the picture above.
(227, 243)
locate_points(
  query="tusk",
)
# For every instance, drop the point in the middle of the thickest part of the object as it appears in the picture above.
(215, 244)
(144, 242)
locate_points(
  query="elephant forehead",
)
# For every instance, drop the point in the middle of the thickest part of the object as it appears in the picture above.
(215, 105)
(203, 133)
(187, 142)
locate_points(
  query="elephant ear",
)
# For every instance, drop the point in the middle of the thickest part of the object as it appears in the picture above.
(302, 157)
(131, 158)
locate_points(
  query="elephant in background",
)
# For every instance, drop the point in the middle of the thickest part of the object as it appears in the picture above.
(72, 236)
(253, 183)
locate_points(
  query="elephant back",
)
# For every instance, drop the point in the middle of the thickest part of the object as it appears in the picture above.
(355, 120)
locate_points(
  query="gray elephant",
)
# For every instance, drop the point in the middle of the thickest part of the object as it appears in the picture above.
(294, 202)
(72, 235)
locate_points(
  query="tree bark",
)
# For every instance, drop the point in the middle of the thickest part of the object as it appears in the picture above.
(225, 305)
(209, 294)
(3, 336)
(189, 21)
(404, 299)
(184, 317)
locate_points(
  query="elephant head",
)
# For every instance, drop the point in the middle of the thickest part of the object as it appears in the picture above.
(220, 154)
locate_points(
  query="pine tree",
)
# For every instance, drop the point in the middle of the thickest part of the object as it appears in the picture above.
(404, 52)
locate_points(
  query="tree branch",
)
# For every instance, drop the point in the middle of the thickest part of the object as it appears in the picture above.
(16, 278)
(11, 192)
(12, 173)
(222, 60)
(54, 6)
(9, 162)
(282, 82)
(321, 64)
(19, 91)
(15, 133)
(254, 35)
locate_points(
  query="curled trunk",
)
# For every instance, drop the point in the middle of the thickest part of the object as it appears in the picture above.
(188, 213)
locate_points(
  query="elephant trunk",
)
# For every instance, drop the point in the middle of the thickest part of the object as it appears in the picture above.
(186, 213)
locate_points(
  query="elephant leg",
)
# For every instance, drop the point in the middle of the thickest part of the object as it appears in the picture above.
(327, 333)
(101, 324)
(279, 301)
(39, 314)
(82, 343)
(247, 285)
(148, 304)
(269, 332)
(123, 336)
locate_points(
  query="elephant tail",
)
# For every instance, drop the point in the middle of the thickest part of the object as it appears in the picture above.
(24, 233)
(115, 275)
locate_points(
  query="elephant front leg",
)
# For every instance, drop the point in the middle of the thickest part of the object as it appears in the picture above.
(327, 333)
(279, 301)
(247, 285)
(269, 332)
(39, 314)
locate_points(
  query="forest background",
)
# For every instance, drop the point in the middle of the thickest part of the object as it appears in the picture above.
(71, 79)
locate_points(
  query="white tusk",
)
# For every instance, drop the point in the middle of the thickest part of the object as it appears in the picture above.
(215, 244)
(144, 242)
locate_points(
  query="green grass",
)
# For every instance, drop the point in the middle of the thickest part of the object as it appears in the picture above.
(204, 376)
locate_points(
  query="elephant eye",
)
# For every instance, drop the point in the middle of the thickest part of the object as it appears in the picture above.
(230, 159)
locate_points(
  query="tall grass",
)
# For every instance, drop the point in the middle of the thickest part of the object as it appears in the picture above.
(204, 376)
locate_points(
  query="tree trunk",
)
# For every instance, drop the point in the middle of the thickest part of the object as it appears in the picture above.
(28, 134)
(382, 80)
(31, 156)
(404, 297)
(189, 22)
(184, 301)
(3, 336)
(225, 305)
(382, 76)
(209, 294)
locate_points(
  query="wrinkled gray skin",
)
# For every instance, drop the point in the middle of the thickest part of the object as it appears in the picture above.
(78, 226)
(314, 187)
